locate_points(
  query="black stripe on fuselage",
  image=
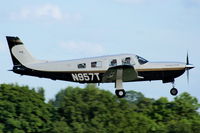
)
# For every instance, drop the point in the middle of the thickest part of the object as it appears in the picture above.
(91, 77)
(81, 77)
(164, 75)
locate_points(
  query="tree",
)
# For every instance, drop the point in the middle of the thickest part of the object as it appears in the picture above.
(23, 110)
(41, 92)
(134, 96)
(180, 126)
(94, 110)
(186, 106)
(90, 109)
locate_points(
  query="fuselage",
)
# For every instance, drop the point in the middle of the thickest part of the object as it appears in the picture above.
(91, 70)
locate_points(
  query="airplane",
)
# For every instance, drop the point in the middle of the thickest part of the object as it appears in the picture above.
(104, 69)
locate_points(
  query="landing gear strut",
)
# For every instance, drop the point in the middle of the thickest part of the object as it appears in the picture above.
(120, 92)
(173, 91)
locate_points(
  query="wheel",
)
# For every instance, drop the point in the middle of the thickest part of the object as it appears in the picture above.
(174, 91)
(120, 93)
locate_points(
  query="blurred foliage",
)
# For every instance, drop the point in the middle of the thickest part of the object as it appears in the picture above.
(90, 109)
(23, 110)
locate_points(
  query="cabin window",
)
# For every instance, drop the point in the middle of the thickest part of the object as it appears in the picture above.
(96, 64)
(141, 60)
(126, 61)
(82, 65)
(113, 62)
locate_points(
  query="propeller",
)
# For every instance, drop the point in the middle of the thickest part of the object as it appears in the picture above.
(188, 67)
(187, 63)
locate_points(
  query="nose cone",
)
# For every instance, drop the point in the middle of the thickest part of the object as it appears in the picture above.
(189, 66)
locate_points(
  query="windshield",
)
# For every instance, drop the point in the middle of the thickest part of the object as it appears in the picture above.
(141, 60)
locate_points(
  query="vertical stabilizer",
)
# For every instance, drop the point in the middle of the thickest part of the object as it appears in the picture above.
(19, 54)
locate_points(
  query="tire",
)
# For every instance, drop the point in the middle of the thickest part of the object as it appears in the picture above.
(174, 91)
(120, 93)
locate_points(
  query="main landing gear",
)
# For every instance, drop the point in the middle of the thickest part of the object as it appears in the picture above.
(173, 91)
(120, 92)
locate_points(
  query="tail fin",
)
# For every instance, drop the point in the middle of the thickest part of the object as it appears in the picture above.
(19, 54)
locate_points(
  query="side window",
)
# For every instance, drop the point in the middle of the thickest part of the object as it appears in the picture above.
(82, 65)
(126, 61)
(96, 64)
(113, 62)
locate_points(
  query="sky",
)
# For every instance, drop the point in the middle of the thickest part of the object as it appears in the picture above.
(158, 30)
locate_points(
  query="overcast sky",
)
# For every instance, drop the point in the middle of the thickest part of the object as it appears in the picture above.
(158, 30)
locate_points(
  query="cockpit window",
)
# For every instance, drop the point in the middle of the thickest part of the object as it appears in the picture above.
(141, 60)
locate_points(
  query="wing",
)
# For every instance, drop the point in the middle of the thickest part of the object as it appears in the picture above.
(124, 72)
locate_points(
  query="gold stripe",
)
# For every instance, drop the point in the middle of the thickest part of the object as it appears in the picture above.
(138, 70)
(88, 71)
(160, 69)
(16, 41)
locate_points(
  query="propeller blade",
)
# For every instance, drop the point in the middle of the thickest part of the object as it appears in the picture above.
(188, 76)
(187, 59)
(188, 67)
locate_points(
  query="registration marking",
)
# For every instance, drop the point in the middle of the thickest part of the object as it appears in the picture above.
(85, 76)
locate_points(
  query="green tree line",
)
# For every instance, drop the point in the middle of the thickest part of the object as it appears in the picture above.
(92, 110)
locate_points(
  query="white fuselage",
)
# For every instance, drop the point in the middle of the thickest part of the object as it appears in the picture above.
(104, 62)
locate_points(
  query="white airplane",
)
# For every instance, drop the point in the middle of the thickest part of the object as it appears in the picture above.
(105, 69)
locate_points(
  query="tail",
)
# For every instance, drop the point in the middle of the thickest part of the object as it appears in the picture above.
(20, 56)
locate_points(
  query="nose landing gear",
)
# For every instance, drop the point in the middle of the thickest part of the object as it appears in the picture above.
(173, 91)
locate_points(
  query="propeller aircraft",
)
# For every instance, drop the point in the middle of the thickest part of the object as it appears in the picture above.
(104, 69)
